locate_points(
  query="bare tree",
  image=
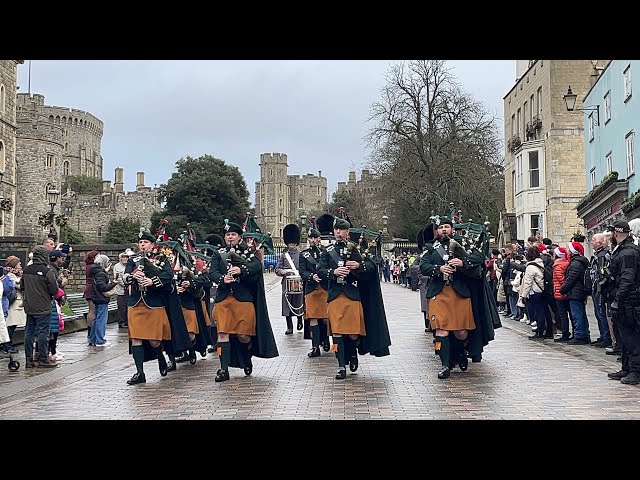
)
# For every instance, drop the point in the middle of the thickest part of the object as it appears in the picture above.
(433, 144)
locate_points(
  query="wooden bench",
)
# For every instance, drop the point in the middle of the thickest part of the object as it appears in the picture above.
(80, 307)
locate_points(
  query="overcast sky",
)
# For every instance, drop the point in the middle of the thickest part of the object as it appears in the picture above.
(315, 111)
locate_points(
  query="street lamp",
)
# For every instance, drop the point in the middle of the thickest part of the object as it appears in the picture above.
(570, 102)
(52, 198)
(385, 222)
(303, 230)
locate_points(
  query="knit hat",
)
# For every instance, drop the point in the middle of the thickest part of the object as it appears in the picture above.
(560, 252)
(542, 247)
(11, 261)
(576, 248)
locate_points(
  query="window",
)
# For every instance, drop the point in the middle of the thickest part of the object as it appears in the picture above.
(2, 98)
(607, 107)
(535, 224)
(300, 204)
(519, 172)
(66, 146)
(318, 190)
(525, 113)
(280, 204)
(592, 175)
(532, 108)
(627, 83)
(518, 118)
(629, 142)
(534, 170)
(2, 156)
(540, 101)
(99, 231)
(65, 168)
(280, 218)
(591, 124)
(609, 163)
(513, 189)
(513, 125)
(49, 160)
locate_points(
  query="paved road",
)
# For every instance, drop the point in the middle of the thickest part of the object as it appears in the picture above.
(517, 379)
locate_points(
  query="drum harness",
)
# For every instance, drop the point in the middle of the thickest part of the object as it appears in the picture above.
(297, 311)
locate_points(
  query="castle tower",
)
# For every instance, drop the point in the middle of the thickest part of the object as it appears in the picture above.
(8, 131)
(118, 184)
(139, 181)
(39, 159)
(272, 194)
(82, 136)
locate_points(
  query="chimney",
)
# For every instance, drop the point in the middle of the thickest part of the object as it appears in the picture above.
(118, 184)
(319, 173)
(140, 180)
(106, 186)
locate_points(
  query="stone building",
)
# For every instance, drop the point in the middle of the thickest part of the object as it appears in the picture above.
(544, 148)
(282, 198)
(91, 214)
(366, 192)
(8, 128)
(53, 143)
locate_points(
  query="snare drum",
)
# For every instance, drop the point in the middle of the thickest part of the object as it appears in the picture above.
(293, 285)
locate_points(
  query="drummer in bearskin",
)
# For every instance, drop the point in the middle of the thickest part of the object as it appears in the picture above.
(288, 265)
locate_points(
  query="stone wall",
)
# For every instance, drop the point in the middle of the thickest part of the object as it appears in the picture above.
(8, 82)
(18, 246)
(77, 279)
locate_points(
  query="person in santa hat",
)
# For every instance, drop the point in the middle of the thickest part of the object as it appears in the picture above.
(574, 288)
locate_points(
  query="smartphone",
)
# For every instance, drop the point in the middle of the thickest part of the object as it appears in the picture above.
(65, 248)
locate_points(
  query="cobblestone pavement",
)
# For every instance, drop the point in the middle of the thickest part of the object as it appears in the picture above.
(517, 379)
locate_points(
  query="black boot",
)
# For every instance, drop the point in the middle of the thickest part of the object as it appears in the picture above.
(351, 353)
(427, 324)
(225, 354)
(300, 324)
(338, 343)
(184, 357)
(162, 362)
(138, 358)
(315, 341)
(324, 338)
(246, 353)
(192, 356)
(289, 330)
(171, 364)
(443, 348)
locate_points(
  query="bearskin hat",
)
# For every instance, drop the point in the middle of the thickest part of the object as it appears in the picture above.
(291, 234)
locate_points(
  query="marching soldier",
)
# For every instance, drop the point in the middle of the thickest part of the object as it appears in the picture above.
(352, 281)
(315, 291)
(292, 304)
(449, 295)
(240, 308)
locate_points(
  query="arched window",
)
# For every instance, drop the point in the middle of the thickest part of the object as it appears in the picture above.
(75, 122)
(65, 168)
(51, 119)
(2, 98)
(300, 204)
(281, 218)
(2, 156)
(57, 120)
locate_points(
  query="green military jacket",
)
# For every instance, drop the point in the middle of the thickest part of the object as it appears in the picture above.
(432, 260)
(157, 268)
(328, 264)
(244, 284)
(309, 264)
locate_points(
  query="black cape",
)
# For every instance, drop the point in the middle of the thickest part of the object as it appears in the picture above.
(263, 343)
(377, 340)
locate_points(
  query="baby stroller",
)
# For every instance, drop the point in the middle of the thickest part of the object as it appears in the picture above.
(13, 365)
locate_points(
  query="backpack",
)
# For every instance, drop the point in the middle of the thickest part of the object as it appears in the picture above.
(587, 281)
(547, 271)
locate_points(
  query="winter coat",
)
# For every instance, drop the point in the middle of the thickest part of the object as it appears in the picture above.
(100, 284)
(16, 317)
(533, 281)
(38, 284)
(573, 285)
(559, 276)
